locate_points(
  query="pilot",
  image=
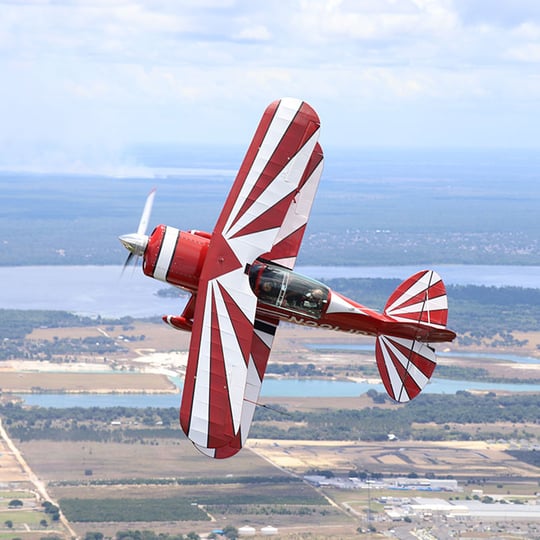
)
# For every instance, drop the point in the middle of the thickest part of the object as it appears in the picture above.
(314, 298)
(268, 290)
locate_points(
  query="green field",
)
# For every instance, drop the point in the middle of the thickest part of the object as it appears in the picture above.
(125, 510)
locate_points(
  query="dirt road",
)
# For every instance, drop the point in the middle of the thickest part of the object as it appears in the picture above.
(38, 484)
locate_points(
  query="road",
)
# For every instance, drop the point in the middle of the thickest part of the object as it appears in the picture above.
(38, 484)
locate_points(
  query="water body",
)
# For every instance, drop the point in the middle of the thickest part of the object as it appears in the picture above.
(104, 291)
(371, 348)
(271, 388)
(452, 274)
(88, 290)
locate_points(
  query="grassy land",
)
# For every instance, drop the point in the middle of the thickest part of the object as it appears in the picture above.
(81, 382)
(21, 517)
(135, 509)
(7, 496)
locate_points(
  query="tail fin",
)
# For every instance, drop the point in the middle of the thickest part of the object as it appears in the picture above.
(419, 311)
(420, 299)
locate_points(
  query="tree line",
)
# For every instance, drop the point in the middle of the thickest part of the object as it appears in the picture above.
(369, 423)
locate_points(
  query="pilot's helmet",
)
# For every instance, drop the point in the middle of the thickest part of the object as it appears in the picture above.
(317, 294)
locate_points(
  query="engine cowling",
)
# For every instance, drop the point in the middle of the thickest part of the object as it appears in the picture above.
(175, 256)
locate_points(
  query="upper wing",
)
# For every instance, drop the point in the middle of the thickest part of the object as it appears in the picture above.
(289, 238)
(284, 252)
(222, 336)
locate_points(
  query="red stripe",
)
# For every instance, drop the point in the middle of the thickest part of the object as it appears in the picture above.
(260, 353)
(300, 130)
(404, 287)
(243, 327)
(383, 370)
(193, 359)
(220, 259)
(425, 365)
(270, 219)
(287, 247)
(427, 316)
(220, 423)
(407, 381)
(247, 164)
(230, 449)
(274, 216)
(314, 161)
(427, 294)
(151, 254)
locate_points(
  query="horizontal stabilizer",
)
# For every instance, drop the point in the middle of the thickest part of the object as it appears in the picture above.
(405, 366)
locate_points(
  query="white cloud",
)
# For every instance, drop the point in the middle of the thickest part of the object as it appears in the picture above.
(119, 71)
(528, 52)
(253, 32)
(527, 31)
(376, 21)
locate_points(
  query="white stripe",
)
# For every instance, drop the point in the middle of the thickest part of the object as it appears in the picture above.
(287, 263)
(338, 304)
(251, 397)
(433, 304)
(417, 287)
(265, 337)
(284, 115)
(166, 253)
(247, 248)
(299, 211)
(198, 427)
(210, 452)
(419, 378)
(393, 375)
(235, 366)
(281, 186)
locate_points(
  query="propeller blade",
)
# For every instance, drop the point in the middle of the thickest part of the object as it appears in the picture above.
(145, 218)
(136, 243)
(128, 260)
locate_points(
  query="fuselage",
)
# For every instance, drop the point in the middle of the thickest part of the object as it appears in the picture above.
(177, 257)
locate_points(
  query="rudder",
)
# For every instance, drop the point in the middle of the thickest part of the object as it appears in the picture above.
(420, 299)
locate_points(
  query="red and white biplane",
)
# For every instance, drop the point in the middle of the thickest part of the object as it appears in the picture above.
(242, 285)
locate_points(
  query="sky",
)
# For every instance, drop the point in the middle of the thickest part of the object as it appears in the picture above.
(81, 80)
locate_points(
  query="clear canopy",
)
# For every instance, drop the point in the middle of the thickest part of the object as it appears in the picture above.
(282, 288)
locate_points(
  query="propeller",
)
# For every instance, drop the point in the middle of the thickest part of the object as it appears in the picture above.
(136, 243)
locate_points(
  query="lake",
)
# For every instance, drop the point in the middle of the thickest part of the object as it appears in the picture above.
(371, 348)
(271, 388)
(104, 291)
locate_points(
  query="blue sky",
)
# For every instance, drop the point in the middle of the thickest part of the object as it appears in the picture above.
(81, 80)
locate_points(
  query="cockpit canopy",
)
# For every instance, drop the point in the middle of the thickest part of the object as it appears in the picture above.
(282, 288)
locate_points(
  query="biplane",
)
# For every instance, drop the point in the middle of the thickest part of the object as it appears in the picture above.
(242, 284)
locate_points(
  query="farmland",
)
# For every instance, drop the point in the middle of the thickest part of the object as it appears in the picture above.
(101, 465)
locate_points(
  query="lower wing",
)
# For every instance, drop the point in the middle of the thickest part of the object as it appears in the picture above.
(264, 331)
